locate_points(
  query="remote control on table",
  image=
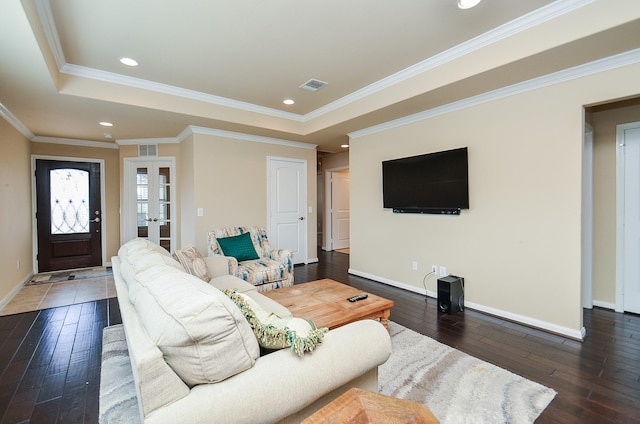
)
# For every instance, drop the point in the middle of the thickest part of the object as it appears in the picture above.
(357, 297)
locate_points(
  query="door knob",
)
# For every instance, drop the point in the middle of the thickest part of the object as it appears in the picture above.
(97, 219)
(301, 218)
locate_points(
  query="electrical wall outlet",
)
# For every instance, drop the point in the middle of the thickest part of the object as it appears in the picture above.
(434, 269)
(414, 265)
(443, 271)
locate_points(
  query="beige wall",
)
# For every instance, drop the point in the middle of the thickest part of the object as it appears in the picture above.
(336, 160)
(519, 245)
(111, 178)
(230, 184)
(15, 210)
(604, 199)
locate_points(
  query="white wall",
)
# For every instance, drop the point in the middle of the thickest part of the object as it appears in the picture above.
(518, 246)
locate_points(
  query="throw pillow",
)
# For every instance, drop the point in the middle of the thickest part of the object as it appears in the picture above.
(240, 247)
(274, 332)
(193, 263)
(201, 333)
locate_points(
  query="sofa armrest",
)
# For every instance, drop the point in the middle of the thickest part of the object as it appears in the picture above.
(284, 256)
(221, 265)
(285, 382)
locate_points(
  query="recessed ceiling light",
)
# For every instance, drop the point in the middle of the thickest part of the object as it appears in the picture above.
(344, 146)
(106, 124)
(288, 101)
(128, 61)
(467, 4)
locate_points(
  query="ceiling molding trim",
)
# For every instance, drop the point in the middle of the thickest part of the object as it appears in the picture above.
(192, 129)
(111, 77)
(50, 31)
(601, 65)
(523, 23)
(137, 141)
(74, 142)
(15, 122)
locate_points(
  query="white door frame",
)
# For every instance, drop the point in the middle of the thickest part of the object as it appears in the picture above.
(327, 241)
(128, 220)
(587, 218)
(620, 216)
(34, 224)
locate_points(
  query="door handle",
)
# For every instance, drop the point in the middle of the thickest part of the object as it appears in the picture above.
(301, 218)
(151, 219)
(97, 219)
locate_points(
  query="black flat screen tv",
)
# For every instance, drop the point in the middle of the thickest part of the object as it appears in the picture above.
(433, 183)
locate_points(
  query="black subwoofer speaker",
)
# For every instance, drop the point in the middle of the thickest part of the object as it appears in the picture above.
(451, 294)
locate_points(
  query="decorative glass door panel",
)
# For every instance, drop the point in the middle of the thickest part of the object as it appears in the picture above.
(154, 202)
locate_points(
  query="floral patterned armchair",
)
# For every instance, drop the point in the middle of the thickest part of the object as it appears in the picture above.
(268, 269)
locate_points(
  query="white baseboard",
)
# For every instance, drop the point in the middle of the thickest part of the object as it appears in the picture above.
(606, 305)
(528, 321)
(5, 301)
(311, 261)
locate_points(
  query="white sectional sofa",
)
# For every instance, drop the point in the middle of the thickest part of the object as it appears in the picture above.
(195, 358)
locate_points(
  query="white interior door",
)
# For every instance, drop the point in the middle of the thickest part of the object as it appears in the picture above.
(340, 210)
(287, 188)
(149, 205)
(630, 134)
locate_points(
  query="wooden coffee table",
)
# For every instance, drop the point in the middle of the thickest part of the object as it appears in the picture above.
(325, 303)
(357, 406)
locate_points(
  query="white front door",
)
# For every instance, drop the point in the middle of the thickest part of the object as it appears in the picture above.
(148, 204)
(630, 135)
(340, 210)
(287, 188)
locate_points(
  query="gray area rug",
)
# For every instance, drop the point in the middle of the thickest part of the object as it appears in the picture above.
(118, 398)
(457, 387)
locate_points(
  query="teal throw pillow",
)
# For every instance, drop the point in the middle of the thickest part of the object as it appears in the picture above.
(240, 247)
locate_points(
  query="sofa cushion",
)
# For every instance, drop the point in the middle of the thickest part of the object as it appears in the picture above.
(140, 254)
(262, 271)
(230, 282)
(203, 336)
(240, 247)
(275, 332)
(193, 263)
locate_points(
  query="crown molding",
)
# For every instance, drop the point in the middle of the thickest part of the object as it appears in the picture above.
(43, 7)
(192, 129)
(73, 142)
(137, 141)
(523, 23)
(602, 65)
(15, 122)
(111, 77)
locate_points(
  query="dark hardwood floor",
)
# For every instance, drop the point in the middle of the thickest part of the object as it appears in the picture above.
(50, 360)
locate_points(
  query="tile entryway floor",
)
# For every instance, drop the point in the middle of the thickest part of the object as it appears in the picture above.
(51, 290)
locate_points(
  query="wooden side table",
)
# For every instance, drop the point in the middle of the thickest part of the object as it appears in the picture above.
(357, 406)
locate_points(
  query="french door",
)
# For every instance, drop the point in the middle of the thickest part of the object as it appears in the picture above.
(149, 201)
(68, 214)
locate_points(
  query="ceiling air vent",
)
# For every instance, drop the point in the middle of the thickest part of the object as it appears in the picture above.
(147, 150)
(313, 85)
